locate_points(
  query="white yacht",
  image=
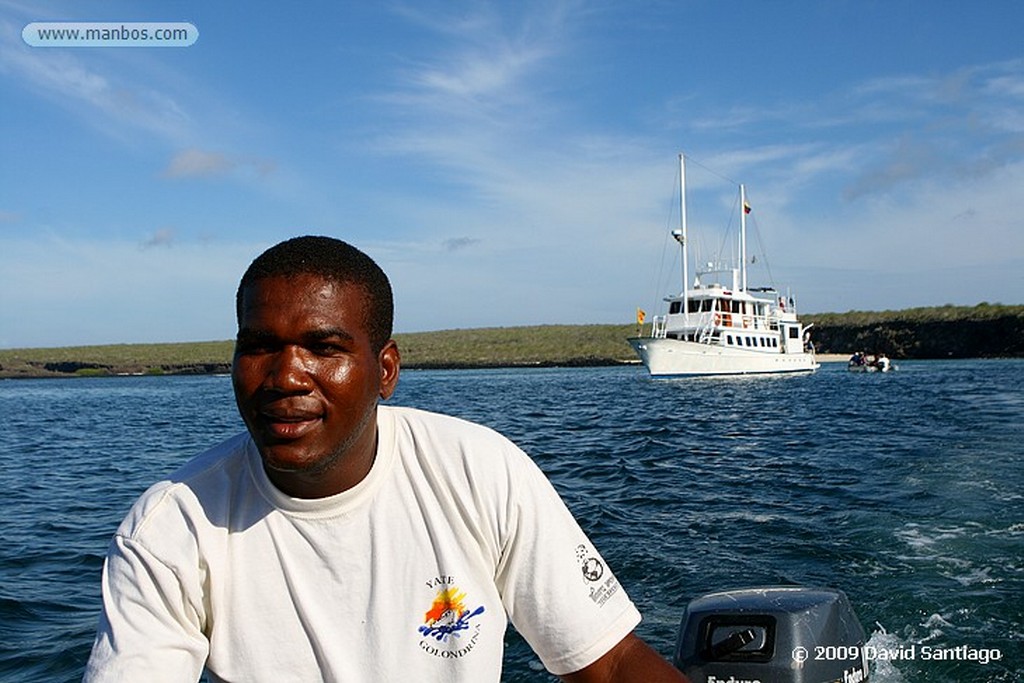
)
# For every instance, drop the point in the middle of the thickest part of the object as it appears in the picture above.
(719, 325)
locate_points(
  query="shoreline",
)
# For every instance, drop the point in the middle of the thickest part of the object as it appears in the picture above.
(82, 370)
(948, 332)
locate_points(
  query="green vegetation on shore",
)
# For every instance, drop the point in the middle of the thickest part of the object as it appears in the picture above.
(947, 313)
(985, 330)
(982, 331)
(113, 359)
(488, 347)
(511, 346)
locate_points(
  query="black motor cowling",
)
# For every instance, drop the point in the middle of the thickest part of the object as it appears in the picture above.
(772, 635)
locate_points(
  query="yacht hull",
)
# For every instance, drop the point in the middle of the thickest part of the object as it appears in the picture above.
(666, 357)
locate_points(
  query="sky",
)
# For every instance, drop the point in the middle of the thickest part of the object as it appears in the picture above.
(507, 163)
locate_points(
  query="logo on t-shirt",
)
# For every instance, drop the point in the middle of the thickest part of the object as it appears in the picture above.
(592, 569)
(448, 629)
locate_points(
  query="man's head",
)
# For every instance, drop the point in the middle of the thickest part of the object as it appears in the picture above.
(334, 260)
(312, 358)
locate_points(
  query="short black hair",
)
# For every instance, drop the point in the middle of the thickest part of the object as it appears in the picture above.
(334, 260)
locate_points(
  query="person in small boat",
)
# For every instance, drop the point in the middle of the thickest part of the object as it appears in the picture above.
(338, 539)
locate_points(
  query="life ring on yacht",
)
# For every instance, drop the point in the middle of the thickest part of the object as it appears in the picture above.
(747, 321)
(718, 319)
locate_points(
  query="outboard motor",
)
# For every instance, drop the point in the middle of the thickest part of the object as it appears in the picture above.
(772, 635)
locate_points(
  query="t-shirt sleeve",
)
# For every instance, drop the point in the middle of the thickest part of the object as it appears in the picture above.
(148, 630)
(559, 593)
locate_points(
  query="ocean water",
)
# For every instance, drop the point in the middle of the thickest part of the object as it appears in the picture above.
(904, 490)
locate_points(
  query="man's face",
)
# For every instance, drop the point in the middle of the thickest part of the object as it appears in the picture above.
(307, 381)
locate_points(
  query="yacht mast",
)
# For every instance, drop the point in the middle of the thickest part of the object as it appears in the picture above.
(682, 228)
(743, 238)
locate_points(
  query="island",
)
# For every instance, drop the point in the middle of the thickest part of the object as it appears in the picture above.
(981, 331)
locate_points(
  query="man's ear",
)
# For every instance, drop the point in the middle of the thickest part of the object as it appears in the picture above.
(390, 361)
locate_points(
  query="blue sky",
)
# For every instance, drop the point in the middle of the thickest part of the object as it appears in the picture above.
(506, 163)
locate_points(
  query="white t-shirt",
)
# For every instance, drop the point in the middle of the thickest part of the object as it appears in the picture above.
(410, 575)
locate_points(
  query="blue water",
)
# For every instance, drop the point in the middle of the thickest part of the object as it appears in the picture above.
(903, 490)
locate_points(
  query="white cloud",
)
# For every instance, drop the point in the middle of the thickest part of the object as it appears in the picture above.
(859, 178)
(91, 87)
(458, 243)
(164, 237)
(198, 163)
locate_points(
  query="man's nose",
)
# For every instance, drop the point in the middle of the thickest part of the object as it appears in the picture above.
(290, 371)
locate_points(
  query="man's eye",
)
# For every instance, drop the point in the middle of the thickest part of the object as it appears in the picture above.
(253, 346)
(325, 349)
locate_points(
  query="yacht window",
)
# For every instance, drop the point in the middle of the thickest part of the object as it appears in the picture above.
(728, 339)
(674, 307)
(794, 333)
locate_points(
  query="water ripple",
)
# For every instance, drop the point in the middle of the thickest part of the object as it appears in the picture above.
(902, 490)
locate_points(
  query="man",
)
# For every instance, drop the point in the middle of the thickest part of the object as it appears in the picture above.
(340, 540)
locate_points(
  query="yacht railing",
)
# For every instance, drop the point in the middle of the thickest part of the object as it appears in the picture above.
(659, 326)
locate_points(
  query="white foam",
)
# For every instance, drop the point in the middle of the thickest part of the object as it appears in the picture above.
(882, 670)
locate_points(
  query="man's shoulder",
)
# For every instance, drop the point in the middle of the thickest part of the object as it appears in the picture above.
(200, 481)
(449, 427)
(225, 459)
(467, 452)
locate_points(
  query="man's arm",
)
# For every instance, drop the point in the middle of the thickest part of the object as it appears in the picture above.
(632, 660)
(149, 629)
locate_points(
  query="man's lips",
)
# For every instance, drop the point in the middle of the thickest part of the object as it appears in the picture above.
(289, 424)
